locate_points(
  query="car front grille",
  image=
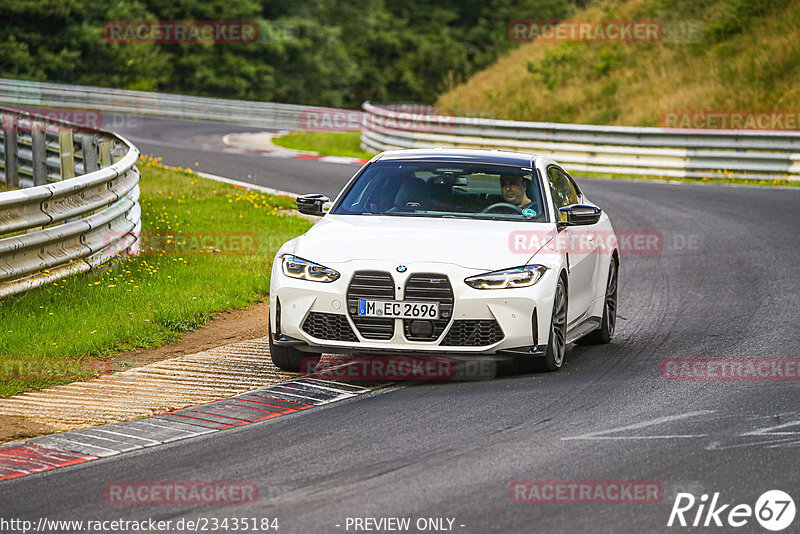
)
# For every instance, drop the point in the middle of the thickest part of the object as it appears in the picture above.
(429, 287)
(371, 285)
(332, 326)
(473, 333)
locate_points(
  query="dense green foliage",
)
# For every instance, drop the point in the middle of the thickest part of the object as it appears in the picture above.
(323, 52)
(715, 55)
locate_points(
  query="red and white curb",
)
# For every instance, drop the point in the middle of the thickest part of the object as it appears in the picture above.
(78, 446)
(262, 147)
(333, 159)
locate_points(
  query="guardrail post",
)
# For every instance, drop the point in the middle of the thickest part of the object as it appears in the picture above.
(117, 153)
(105, 148)
(39, 149)
(11, 151)
(66, 150)
(89, 148)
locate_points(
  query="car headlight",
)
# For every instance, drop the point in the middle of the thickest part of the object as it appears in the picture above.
(295, 267)
(507, 278)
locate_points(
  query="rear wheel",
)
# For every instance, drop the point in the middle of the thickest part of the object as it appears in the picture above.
(605, 333)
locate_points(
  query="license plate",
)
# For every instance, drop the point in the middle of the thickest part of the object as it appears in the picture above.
(398, 309)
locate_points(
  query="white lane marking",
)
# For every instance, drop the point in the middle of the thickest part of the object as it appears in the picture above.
(277, 394)
(623, 438)
(171, 434)
(786, 444)
(322, 384)
(101, 438)
(129, 436)
(63, 443)
(300, 390)
(644, 424)
(248, 185)
(770, 430)
(331, 388)
(715, 446)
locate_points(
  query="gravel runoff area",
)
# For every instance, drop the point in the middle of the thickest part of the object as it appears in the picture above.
(208, 364)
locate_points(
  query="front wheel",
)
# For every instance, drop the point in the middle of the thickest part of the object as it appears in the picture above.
(557, 345)
(291, 359)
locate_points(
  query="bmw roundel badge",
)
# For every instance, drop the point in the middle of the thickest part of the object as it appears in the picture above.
(401, 268)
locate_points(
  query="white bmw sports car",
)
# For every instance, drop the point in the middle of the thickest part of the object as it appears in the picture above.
(448, 252)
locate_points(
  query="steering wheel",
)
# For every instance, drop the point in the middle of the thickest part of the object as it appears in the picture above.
(506, 205)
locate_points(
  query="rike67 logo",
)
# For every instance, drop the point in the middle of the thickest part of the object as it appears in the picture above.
(774, 510)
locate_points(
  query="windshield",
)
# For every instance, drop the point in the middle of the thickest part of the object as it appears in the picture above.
(441, 189)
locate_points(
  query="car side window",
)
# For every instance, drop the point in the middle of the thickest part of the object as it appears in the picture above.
(563, 191)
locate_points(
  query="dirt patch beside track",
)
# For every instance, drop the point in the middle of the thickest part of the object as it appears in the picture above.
(227, 327)
(229, 355)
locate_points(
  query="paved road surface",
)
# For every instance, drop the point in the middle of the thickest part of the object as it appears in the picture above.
(727, 284)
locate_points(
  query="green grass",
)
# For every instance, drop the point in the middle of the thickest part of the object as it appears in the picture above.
(734, 55)
(347, 144)
(56, 333)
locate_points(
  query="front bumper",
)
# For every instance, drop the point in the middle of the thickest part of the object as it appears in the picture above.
(321, 317)
(531, 351)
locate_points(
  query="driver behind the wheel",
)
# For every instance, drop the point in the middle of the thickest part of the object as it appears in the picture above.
(513, 189)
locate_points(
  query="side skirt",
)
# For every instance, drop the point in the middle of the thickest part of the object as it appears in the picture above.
(582, 328)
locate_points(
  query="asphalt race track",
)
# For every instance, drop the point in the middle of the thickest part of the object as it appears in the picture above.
(726, 283)
(181, 143)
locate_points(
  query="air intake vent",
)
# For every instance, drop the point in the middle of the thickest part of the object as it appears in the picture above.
(371, 285)
(429, 287)
(332, 326)
(470, 333)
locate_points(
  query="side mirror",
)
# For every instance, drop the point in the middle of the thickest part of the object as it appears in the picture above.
(580, 215)
(312, 204)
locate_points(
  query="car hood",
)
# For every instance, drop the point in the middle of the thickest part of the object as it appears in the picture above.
(470, 243)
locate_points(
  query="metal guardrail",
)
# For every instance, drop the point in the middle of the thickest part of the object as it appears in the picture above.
(245, 112)
(69, 201)
(604, 149)
(587, 148)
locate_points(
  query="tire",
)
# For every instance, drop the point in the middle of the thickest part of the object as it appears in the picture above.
(556, 344)
(291, 359)
(608, 325)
